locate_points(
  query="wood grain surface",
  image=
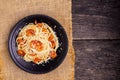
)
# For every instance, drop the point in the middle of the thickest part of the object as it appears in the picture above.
(96, 19)
(97, 59)
(96, 39)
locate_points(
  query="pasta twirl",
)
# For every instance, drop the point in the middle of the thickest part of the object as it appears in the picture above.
(37, 43)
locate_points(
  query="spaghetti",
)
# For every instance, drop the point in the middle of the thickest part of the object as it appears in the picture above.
(37, 42)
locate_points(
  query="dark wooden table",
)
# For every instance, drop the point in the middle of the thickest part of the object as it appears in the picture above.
(96, 39)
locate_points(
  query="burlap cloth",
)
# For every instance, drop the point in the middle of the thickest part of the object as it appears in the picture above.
(11, 11)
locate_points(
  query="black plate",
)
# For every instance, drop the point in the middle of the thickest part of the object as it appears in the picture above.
(30, 66)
